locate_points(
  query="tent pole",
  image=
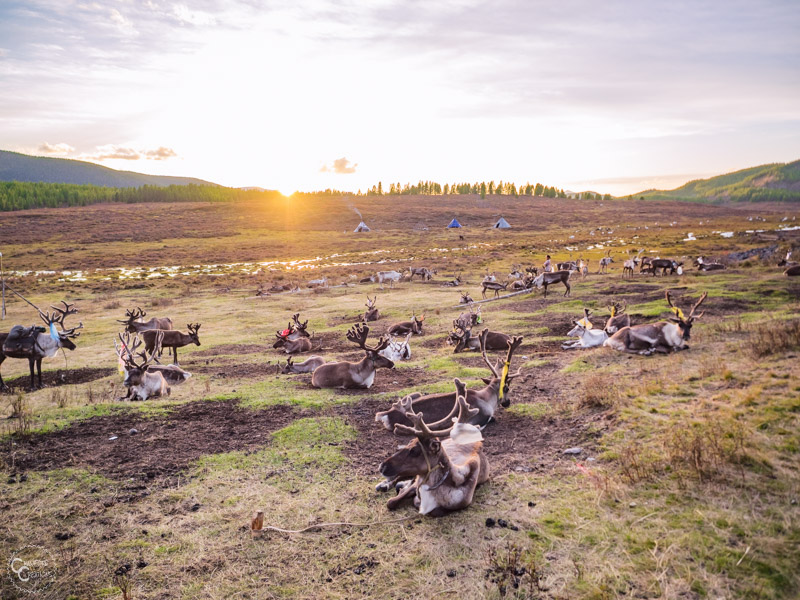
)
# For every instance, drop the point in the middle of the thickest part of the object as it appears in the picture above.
(3, 285)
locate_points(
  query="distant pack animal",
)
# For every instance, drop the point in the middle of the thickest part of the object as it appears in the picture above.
(390, 277)
(423, 272)
(630, 264)
(172, 339)
(662, 337)
(443, 474)
(605, 261)
(36, 343)
(666, 264)
(494, 286)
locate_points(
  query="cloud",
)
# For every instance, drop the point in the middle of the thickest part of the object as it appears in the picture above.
(60, 149)
(341, 166)
(113, 152)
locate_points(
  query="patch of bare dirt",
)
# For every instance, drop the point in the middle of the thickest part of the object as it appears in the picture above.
(161, 447)
(59, 377)
(232, 349)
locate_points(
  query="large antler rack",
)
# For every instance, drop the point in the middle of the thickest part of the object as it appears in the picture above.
(424, 430)
(58, 316)
(358, 335)
(130, 348)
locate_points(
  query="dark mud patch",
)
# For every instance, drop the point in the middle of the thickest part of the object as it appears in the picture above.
(232, 349)
(161, 448)
(59, 377)
(631, 288)
(512, 442)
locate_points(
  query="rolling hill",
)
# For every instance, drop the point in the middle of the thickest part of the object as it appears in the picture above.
(22, 167)
(773, 182)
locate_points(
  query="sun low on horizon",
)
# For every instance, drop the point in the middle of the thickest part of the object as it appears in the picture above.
(616, 98)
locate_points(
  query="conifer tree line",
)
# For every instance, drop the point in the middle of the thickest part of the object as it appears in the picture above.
(483, 188)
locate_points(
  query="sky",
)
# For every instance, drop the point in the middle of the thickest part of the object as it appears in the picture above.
(610, 96)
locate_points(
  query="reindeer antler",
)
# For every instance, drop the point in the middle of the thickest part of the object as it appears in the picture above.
(424, 430)
(482, 338)
(358, 335)
(696, 304)
(678, 312)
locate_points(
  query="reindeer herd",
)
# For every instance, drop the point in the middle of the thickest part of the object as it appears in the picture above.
(443, 463)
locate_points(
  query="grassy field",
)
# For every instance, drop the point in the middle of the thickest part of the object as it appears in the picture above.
(686, 486)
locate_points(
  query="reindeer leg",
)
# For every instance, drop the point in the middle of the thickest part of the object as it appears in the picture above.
(409, 490)
(568, 288)
(39, 371)
(3, 386)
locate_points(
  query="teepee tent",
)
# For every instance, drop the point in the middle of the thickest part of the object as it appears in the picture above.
(361, 227)
(502, 224)
(454, 223)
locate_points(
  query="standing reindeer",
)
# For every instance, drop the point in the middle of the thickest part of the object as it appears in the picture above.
(172, 339)
(630, 264)
(605, 261)
(546, 279)
(493, 285)
(661, 337)
(133, 324)
(371, 313)
(445, 473)
(36, 343)
(486, 400)
(348, 375)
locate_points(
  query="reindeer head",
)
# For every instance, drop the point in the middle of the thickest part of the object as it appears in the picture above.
(465, 298)
(288, 367)
(132, 316)
(135, 371)
(500, 370)
(417, 326)
(423, 454)
(681, 320)
(193, 328)
(358, 335)
(302, 328)
(370, 303)
(65, 336)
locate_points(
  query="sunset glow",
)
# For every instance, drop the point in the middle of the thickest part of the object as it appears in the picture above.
(614, 96)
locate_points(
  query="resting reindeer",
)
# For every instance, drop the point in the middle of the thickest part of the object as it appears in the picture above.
(142, 383)
(371, 314)
(493, 285)
(702, 265)
(486, 400)
(307, 366)
(464, 340)
(659, 337)
(172, 339)
(133, 323)
(295, 338)
(546, 279)
(617, 319)
(588, 337)
(397, 351)
(469, 319)
(405, 327)
(424, 272)
(36, 343)
(445, 473)
(455, 282)
(465, 298)
(354, 375)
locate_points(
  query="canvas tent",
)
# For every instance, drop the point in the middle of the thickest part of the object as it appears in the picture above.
(502, 224)
(454, 223)
(361, 227)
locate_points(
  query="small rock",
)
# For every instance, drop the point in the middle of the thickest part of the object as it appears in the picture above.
(573, 451)
(93, 490)
(490, 522)
(451, 573)
(531, 504)
(112, 438)
(591, 459)
(793, 501)
(141, 564)
(502, 523)
(63, 535)
(12, 479)
(133, 431)
(23, 478)
(632, 505)
(195, 507)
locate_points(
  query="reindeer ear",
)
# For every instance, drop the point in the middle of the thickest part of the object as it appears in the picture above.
(486, 381)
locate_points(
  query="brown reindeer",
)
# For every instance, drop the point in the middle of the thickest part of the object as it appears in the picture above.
(661, 337)
(445, 473)
(36, 343)
(295, 338)
(465, 298)
(172, 339)
(493, 285)
(792, 271)
(486, 400)
(546, 279)
(405, 327)
(464, 340)
(371, 314)
(354, 375)
(133, 323)
(617, 319)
